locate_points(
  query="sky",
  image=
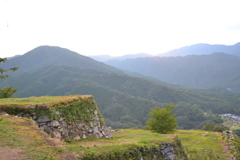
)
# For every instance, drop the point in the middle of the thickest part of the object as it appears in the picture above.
(116, 27)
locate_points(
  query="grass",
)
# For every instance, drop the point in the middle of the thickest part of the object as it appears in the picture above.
(123, 140)
(16, 132)
(20, 132)
(37, 100)
(198, 141)
(194, 140)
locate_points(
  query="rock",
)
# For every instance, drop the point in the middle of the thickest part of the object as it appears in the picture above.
(57, 113)
(34, 117)
(91, 124)
(100, 134)
(77, 137)
(42, 123)
(43, 119)
(72, 130)
(47, 129)
(3, 113)
(32, 107)
(44, 105)
(55, 123)
(56, 134)
(84, 136)
(103, 133)
(95, 112)
(61, 119)
(95, 130)
(79, 126)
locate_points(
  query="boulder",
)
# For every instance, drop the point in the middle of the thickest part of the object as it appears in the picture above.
(56, 134)
(55, 123)
(77, 137)
(43, 119)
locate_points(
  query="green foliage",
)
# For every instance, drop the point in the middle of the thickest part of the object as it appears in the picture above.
(209, 127)
(71, 109)
(134, 153)
(203, 155)
(237, 132)
(162, 120)
(74, 110)
(7, 91)
(235, 147)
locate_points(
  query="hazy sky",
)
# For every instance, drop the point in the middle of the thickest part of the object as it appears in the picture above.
(116, 27)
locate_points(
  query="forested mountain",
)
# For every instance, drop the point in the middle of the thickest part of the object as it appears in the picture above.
(50, 55)
(200, 49)
(196, 71)
(123, 100)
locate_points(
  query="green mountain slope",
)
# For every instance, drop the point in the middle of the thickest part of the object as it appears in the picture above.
(123, 100)
(49, 55)
(196, 71)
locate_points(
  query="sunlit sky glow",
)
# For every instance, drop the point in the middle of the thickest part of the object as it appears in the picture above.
(116, 27)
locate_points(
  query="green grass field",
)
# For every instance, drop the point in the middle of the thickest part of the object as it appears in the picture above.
(48, 100)
(22, 133)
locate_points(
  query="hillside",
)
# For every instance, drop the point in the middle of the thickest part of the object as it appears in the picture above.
(195, 71)
(49, 55)
(200, 49)
(123, 100)
(22, 139)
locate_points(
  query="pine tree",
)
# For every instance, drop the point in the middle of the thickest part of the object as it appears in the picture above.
(7, 91)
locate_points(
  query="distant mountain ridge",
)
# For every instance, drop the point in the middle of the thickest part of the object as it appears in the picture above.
(196, 71)
(105, 58)
(201, 49)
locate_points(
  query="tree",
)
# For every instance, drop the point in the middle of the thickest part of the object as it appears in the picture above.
(7, 91)
(162, 121)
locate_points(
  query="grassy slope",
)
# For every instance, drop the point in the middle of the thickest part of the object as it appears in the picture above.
(21, 132)
(194, 140)
(38, 100)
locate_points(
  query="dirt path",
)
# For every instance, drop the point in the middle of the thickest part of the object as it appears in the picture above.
(7, 153)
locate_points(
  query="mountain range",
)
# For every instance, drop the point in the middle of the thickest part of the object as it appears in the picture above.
(123, 100)
(194, 71)
(105, 58)
(202, 49)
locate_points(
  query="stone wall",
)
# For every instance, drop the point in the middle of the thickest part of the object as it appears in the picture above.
(167, 151)
(75, 130)
(73, 119)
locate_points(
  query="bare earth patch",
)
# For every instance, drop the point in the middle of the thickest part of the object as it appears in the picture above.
(8, 153)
